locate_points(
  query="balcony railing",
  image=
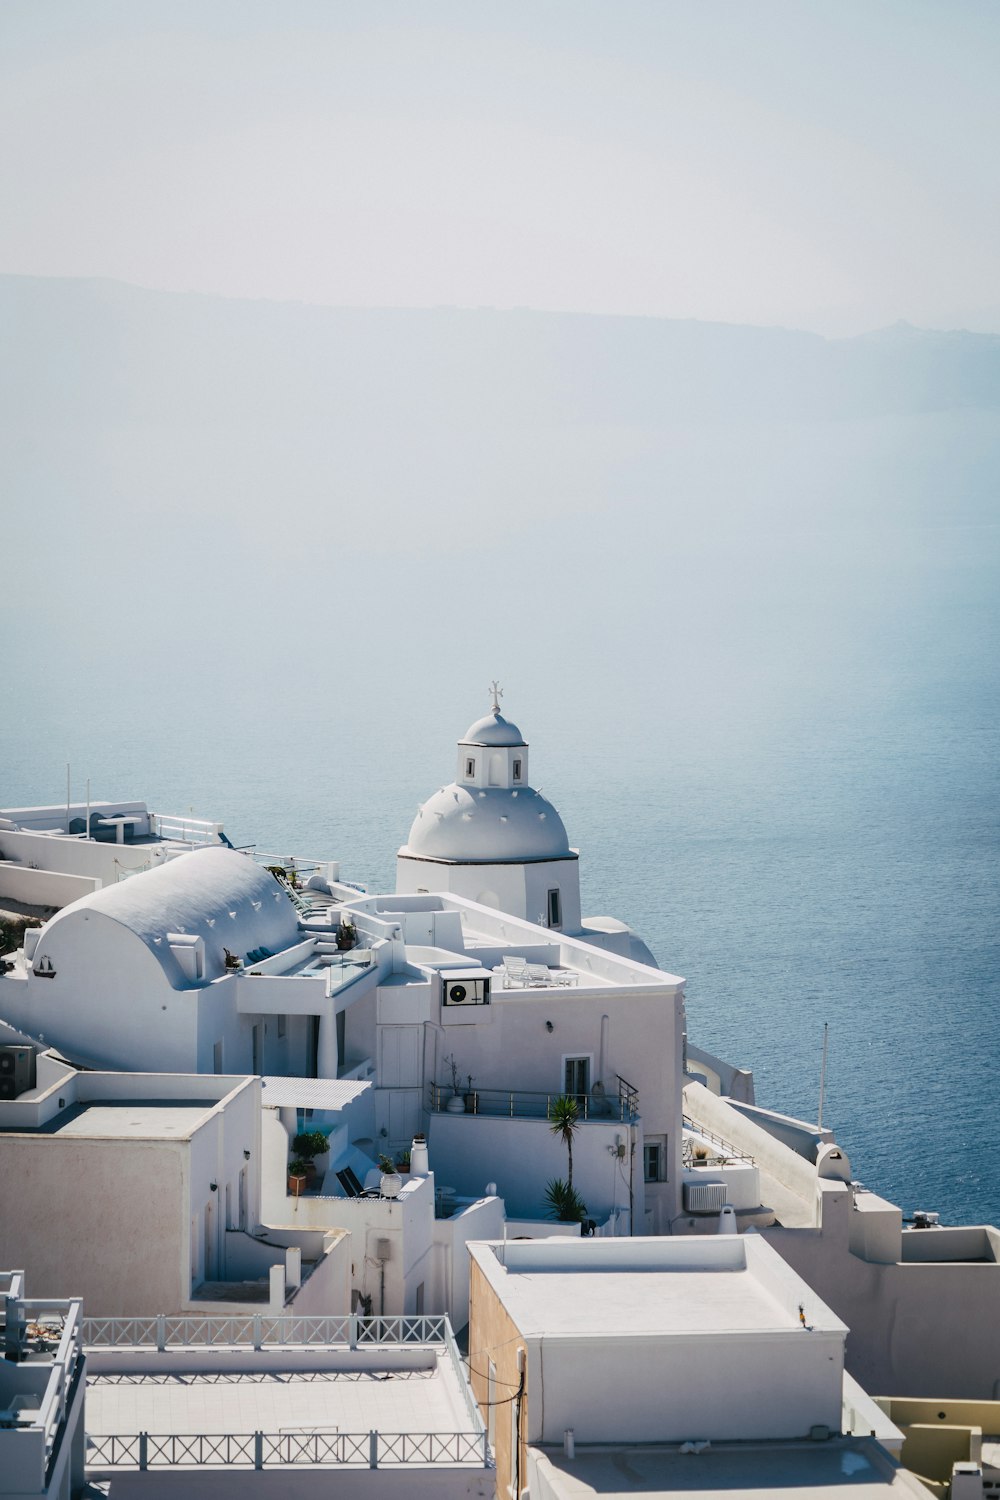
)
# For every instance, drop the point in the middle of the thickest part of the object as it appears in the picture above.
(261, 1331)
(267, 1450)
(522, 1104)
(724, 1150)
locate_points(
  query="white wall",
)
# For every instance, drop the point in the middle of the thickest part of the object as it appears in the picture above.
(109, 1003)
(43, 887)
(916, 1329)
(100, 861)
(673, 1389)
(522, 1156)
(481, 1220)
(518, 889)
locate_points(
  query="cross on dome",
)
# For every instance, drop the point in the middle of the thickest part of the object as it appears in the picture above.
(497, 693)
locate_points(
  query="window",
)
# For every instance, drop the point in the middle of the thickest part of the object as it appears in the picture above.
(217, 1058)
(555, 909)
(470, 766)
(418, 1301)
(282, 1019)
(516, 773)
(576, 1076)
(654, 1159)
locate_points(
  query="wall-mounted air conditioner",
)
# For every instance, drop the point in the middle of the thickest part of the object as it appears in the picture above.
(704, 1197)
(466, 987)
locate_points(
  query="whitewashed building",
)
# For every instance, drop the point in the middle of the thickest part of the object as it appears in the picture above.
(683, 1365)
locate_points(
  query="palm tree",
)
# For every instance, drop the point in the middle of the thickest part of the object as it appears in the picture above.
(564, 1121)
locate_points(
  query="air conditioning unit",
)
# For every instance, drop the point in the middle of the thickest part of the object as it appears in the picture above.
(466, 987)
(705, 1197)
(17, 1071)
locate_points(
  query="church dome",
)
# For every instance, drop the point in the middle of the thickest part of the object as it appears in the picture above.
(491, 825)
(494, 729)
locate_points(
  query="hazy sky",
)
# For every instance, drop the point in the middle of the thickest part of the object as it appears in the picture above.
(831, 166)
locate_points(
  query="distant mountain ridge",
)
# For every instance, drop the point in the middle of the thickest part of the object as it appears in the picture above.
(85, 351)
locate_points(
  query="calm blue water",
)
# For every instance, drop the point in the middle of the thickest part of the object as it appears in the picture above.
(776, 750)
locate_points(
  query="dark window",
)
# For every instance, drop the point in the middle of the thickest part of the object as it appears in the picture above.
(577, 1077)
(470, 766)
(651, 1166)
(555, 909)
(517, 770)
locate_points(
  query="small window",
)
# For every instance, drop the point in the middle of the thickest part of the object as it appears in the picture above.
(516, 774)
(282, 1023)
(555, 909)
(654, 1159)
(418, 1301)
(217, 1058)
(470, 766)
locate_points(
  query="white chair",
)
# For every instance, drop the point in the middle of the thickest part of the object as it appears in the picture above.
(538, 974)
(515, 970)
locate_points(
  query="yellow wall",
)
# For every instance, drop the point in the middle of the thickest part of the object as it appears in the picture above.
(493, 1335)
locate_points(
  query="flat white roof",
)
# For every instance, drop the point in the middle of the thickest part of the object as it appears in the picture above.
(609, 1288)
(275, 1401)
(116, 1119)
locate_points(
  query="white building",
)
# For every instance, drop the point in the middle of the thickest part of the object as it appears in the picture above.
(489, 836)
(688, 1365)
(282, 1406)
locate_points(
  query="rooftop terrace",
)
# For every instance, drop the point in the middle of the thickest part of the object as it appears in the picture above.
(256, 1392)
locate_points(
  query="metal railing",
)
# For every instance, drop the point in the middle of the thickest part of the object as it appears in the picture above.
(522, 1104)
(724, 1148)
(262, 1450)
(311, 1446)
(261, 1331)
(181, 830)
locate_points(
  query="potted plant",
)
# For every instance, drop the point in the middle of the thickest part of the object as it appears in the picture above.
(231, 960)
(471, 1097)
(296, 1176)
(565, 1203)
(456, 1104)
(390, 1182)
(307, 1145)
(347, 934)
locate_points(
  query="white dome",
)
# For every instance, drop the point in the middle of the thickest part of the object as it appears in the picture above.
(493, 730)
(495, 825)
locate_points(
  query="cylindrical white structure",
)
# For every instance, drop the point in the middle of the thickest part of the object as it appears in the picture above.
(419, 1161)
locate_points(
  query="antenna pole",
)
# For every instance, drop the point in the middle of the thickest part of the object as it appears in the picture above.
(68, 799)
(822, 1074)
(86, 832)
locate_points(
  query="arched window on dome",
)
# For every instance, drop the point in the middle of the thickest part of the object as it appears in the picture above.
(496, 768)
(470, 767)
(516, 770)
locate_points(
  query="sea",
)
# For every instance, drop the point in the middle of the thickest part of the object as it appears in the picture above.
(774, 746)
